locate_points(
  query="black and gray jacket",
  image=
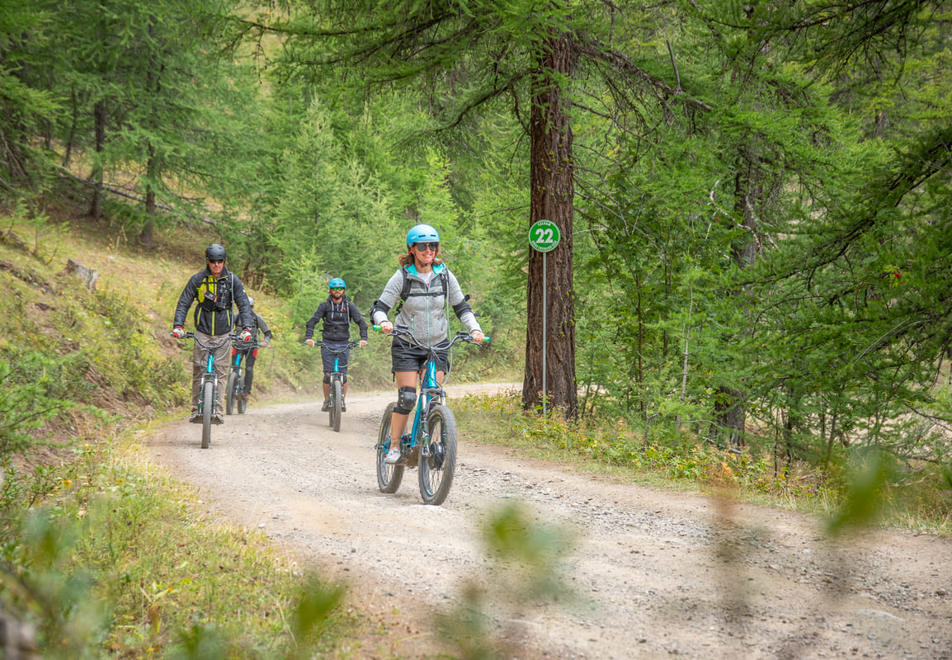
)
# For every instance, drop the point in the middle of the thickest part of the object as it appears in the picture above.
(258, 325)
(215, 301)
(425, 308)
(337, 318)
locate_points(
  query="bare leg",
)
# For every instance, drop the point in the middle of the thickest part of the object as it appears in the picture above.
(398, 422)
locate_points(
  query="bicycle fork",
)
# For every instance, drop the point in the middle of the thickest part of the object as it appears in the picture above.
(209, 373)
(336, 372)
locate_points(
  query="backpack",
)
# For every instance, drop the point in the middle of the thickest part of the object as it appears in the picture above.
(405, 290)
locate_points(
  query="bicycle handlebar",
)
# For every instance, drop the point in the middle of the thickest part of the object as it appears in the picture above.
(337, 346)
(191, 335)
(462, 335)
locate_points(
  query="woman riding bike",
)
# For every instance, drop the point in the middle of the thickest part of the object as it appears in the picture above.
(426, 289)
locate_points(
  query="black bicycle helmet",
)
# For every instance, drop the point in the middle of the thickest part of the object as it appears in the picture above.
(215, 252)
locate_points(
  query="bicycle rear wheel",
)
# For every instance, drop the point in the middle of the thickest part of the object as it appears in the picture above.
(337, 401)
(438, 458)
(231, 392)
(208, 405)
(388, 476)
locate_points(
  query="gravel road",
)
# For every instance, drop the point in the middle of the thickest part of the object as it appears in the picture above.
(654, 573)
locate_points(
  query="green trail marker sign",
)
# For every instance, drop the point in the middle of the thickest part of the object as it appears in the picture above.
(544, 235)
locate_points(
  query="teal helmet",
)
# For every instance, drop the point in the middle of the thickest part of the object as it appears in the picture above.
(422, 234)
(336, 283)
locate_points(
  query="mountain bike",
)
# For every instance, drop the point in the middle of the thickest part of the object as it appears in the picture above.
(208, 389)
(431, 443)
(336, 397)
(235, 389)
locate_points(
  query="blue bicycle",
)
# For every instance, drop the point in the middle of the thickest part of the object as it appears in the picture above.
(235, 395)
(431, 442)
(208, 390)
(336, 396)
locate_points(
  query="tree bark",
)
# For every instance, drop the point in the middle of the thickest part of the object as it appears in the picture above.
(154, 84)
(99, 118)
(729, 407)
(552, 195)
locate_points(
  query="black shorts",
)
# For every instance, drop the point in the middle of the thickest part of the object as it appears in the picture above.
(407, 357)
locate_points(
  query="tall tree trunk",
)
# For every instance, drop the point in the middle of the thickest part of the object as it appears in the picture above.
(68, 151)
(154, 84)
(147, 236)
(729, 407)
(99, 118)
(552, 198)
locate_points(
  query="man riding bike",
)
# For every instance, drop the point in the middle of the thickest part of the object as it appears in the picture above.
(216, 291)
(338, 313)
(248, 351)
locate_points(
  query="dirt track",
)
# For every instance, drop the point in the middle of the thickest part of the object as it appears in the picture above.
(656, 573)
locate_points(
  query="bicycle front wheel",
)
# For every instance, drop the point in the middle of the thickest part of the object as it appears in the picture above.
(208, 405)
(388, 476)
(231, 391)
(337, 401)
(438, 458)
(242, 396)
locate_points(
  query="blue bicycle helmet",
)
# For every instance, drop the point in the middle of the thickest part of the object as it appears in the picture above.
(422, 233)
(336, 283)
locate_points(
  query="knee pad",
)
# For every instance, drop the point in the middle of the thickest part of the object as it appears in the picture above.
(327, 379)
(406, 398)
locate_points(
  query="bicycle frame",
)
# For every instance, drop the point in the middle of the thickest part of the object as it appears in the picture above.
(209, 373)
(429, 389)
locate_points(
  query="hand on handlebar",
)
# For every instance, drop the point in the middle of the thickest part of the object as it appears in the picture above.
(178, 332)
(387, 327)
(309, 342)
(478, 336)
(363, 343)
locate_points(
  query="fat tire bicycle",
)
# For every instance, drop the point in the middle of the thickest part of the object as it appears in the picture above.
(208, 389)
(431, 442)
(235, 395)
(336, 396)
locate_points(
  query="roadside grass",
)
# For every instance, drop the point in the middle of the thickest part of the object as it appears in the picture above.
(102, 552)
(114, 554)
(911, 496)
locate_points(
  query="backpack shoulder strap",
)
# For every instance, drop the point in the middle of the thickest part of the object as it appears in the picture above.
(405, 289)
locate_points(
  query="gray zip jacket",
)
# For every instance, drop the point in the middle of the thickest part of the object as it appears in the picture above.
(424, 310)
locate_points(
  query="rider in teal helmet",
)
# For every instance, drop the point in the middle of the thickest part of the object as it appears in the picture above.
(422, 291)
(337, 313)
(422, 234)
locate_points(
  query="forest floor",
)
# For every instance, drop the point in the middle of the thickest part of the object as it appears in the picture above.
(654, 573)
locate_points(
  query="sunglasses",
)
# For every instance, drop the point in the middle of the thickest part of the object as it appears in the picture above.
(423, 247)
(216, 261)
(337, 288)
